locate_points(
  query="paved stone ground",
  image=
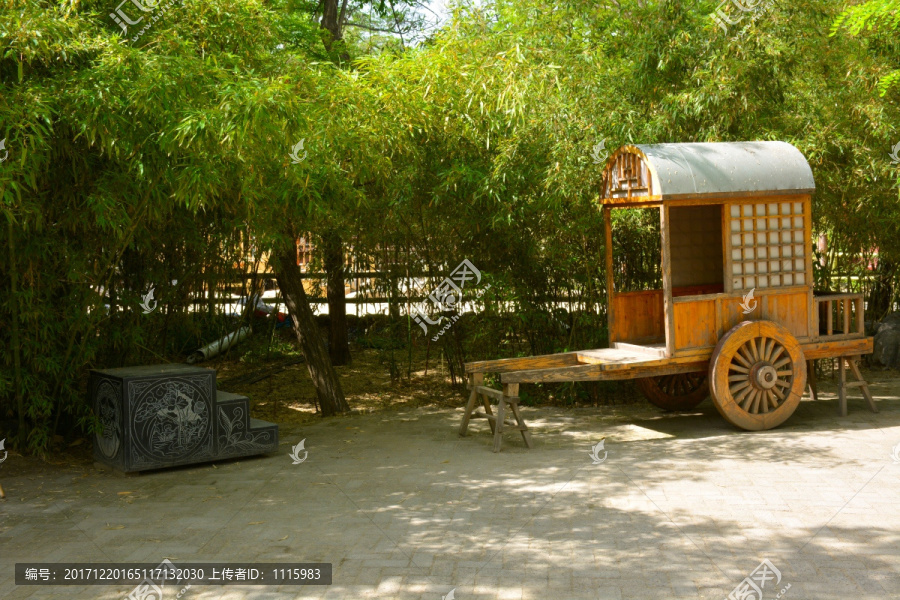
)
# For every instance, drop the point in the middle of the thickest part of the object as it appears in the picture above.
(683, 507)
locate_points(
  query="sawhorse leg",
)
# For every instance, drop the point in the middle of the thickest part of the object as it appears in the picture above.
(861, 383)
(506, 399)
(501, 414)
(842, 387)
(511, 398)
(475, 379)
(811, 378)
(520, 422)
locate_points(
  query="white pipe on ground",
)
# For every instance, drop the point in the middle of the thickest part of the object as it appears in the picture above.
(224, 343)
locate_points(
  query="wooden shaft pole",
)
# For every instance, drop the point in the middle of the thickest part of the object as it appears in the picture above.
(610, 283)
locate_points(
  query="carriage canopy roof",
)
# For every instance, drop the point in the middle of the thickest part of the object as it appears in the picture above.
(658, 172)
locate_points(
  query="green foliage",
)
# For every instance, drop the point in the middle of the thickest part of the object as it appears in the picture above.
(133, 164)
(880, 19)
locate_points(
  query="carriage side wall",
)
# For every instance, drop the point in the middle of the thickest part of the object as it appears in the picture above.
(767, 265)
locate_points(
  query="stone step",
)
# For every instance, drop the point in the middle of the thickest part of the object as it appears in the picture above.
(229, 397)
(238, 433)
(159, 416)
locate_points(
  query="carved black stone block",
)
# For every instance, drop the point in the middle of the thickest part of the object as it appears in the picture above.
(160, 416)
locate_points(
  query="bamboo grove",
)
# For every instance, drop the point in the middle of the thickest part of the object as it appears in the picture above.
(154, 157)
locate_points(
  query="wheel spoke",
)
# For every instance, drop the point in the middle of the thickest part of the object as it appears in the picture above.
(782, 362)
(738, 387)
(690, 382)
(682, 391)
(748, 400)
(784, 373)
(740, 397)
(770, 346)
(754, 351)
(779, 350)
(772, 401)
(738, 368)
(663, 384)
(751, 401)
(742, 359)
(738, 393)
(734, 378)
(755, 408)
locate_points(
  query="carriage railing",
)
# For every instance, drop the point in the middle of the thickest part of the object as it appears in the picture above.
(840, 315)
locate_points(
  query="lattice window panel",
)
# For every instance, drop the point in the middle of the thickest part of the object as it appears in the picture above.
(768, 247)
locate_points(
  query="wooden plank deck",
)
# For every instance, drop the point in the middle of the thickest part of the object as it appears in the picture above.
(503, 365)
(624, 361)
(632, 362)
(649, 349)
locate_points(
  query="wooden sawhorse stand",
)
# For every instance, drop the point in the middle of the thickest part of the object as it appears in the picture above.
(843, 384)
(509, 396)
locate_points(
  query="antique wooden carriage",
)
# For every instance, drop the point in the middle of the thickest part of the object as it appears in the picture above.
(736, 318)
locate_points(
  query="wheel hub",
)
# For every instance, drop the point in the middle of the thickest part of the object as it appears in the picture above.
(763, 376)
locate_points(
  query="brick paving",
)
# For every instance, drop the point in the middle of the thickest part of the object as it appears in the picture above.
(684, 506)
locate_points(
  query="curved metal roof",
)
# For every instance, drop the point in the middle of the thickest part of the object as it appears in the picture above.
(727, 168)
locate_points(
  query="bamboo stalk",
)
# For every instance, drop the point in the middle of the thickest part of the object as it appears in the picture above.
(408, 316)
(17, 359)
(110, 272)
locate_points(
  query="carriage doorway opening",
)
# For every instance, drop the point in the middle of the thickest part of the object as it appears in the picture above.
(696, 250)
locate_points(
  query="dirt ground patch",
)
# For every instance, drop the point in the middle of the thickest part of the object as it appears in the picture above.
(284, 393)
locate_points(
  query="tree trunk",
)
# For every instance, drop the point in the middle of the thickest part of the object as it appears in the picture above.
(394, 294)
(332, 21)
(880, 299)
(324, 377)
(333, 259)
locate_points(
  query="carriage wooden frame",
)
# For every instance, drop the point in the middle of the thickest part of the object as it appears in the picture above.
(737, 302)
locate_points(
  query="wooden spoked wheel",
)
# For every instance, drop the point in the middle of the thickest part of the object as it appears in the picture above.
(675, 392)
(757, 375)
